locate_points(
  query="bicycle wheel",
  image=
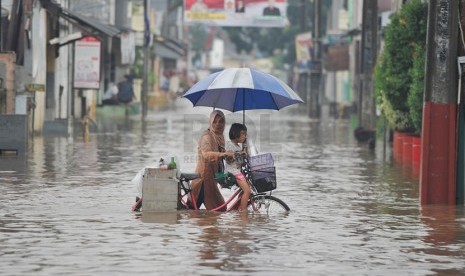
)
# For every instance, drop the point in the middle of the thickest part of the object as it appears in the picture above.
(267, 204)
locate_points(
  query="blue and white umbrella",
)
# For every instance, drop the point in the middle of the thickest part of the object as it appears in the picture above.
(236, 89)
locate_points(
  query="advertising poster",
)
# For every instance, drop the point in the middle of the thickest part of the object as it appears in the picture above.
(87, 63)
(303, 50)
(236, 13)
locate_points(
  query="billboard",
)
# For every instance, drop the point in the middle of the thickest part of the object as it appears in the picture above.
(236, 13)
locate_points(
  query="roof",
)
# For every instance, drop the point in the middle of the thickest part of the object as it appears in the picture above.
(90, 25)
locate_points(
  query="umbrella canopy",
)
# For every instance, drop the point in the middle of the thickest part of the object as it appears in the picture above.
(236, 89)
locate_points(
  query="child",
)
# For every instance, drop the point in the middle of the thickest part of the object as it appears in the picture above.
(238, 134)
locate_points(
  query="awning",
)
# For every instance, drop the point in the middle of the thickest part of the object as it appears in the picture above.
(169, 48)
(88, 24)
(105, 29)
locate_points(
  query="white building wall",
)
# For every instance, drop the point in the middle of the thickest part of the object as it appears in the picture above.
(396, 5)
(355, 19)
(62, 80)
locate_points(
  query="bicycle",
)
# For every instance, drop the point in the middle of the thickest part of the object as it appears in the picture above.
(261, 179)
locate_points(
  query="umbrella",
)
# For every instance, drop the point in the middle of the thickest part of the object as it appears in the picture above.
(236, 89)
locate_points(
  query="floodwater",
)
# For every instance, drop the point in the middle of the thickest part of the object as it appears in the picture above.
(65, 208)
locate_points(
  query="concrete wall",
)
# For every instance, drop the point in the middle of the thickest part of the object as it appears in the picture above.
(159, 190)
(7, 71)
(396, 5)
(13, 133)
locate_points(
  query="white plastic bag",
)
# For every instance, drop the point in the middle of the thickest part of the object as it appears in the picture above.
(251, 149)
(138, 179)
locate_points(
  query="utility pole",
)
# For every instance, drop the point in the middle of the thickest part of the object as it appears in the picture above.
(367, 107)
(147, 37)
(315, 73)
(438, 145)
(1, 26)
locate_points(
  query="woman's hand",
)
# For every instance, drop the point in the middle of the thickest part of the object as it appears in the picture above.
(228, 154)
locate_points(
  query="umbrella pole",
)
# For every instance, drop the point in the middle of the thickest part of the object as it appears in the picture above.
(243, 107)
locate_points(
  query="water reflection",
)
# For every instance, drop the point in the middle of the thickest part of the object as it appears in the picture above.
(444, 224)
(159, 217)
(220, 247)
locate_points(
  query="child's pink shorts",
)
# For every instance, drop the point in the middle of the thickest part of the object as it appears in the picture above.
(239, 176)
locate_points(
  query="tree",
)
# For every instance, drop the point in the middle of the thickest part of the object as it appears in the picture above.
(271, 40)
(198, 34)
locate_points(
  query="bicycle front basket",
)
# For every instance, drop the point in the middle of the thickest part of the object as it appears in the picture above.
(264, 179)
(261, 161)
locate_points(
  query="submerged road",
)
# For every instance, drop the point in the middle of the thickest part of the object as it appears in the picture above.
(65, 208)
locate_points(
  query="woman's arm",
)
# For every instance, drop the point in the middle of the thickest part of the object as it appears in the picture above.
(209, 152)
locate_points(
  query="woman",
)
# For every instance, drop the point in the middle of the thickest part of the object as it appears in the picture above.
(210, 159)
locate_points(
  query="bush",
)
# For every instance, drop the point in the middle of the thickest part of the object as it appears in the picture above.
(393, 72)
(415, 97)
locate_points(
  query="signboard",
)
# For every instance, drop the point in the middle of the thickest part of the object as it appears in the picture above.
(236, 13)
(87, 63)
(337, 58)
(304, 51)
(35, 87)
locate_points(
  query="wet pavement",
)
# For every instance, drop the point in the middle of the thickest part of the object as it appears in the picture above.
(65, 208)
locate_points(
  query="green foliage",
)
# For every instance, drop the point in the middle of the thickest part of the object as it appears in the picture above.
(392, 79)
(397, 119)
(198, 34)
(415, 97)
(241, 37)
(138, 66)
